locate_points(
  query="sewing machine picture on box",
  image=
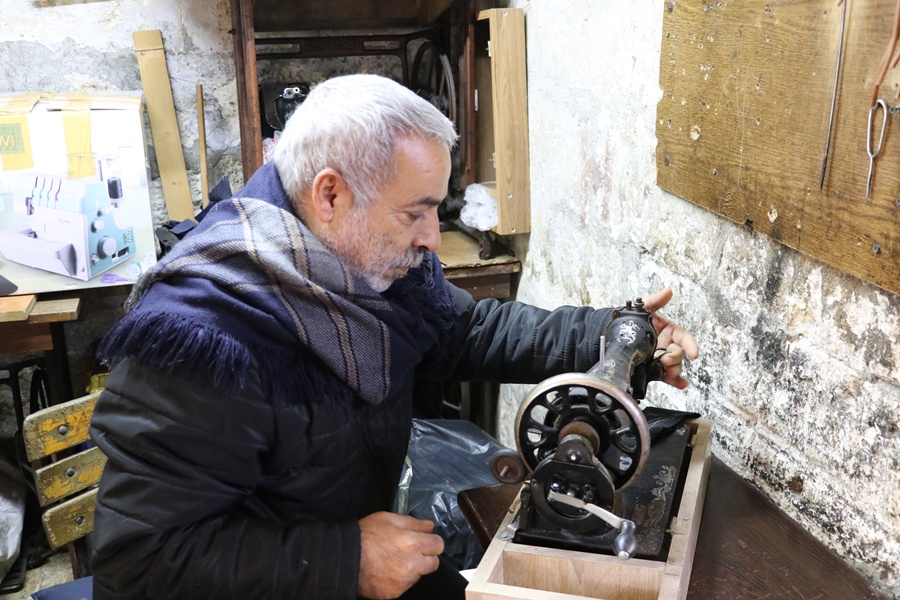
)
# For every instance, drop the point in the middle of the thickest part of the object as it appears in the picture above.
(73, 227)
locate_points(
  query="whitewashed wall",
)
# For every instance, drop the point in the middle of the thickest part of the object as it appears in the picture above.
(800, 365)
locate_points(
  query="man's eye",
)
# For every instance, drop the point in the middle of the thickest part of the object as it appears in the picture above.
(415, 216)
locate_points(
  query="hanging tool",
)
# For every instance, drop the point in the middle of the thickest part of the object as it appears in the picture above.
(887, 61)
(837, 76)
(873, 153)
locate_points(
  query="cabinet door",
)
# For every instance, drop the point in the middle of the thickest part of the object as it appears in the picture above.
(501, 116)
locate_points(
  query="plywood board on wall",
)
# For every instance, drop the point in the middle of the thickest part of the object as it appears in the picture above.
(743, 122)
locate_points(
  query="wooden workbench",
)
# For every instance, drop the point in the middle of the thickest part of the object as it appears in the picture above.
(29, 324)
(490, 278)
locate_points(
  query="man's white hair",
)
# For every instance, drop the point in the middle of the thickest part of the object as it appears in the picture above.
(352, 124)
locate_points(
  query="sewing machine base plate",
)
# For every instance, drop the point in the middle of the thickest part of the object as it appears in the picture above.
(519, 571)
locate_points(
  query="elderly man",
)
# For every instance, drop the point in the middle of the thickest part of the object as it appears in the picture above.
(257, 415)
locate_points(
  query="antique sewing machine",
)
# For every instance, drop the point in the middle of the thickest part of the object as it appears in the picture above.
(72, 227)
(604, 481)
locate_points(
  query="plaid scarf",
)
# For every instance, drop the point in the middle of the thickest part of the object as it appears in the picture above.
(252, 286)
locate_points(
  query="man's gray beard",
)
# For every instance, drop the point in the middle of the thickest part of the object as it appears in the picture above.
(374, 273)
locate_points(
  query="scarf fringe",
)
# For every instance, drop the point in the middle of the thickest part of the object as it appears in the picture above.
(206, 355)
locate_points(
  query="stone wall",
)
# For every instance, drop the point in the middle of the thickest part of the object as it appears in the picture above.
(800, 365)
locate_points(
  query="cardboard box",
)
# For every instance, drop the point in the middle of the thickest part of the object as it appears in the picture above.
(74, 201)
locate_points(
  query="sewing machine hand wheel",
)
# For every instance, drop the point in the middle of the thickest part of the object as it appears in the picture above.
(588, 406)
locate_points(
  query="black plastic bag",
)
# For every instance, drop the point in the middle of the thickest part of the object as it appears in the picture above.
(445, 457)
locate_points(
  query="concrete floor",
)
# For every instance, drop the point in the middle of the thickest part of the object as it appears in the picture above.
(57, 569)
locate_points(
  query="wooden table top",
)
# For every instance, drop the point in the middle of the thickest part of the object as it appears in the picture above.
(31, 309)
(27, 322)
(747, 548)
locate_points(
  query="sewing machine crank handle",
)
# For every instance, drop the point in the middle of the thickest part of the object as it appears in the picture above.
(625, 544)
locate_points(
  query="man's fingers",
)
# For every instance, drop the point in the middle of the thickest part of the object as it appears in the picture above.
(673, 356)
(687, 342)
(657, 300)
(670, 333)
(428, 564)
(430, 544)
(408, 522)
(395, 550)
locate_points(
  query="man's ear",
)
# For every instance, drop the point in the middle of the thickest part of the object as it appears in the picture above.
(330, 197)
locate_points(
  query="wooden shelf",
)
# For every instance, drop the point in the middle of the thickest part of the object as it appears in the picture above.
(490, 278)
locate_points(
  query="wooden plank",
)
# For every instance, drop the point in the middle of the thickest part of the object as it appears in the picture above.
(163, 123)
(510, 107)
(501, 116)
(580, 574)
(21, 336)
(742, 125)
(201, 137)
(71, 520)
(55, 311)
(498, 591)
(16, 308)
(686, 528)
(70, 475)
(58, 427)
(247, 90)
(749, 548)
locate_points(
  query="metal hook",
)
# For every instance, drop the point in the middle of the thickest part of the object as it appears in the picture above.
(874, 153)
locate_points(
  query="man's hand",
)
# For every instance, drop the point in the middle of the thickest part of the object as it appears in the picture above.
(395, 551)
(677, 342)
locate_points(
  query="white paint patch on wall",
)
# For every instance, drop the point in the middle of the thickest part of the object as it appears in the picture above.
(800, 365)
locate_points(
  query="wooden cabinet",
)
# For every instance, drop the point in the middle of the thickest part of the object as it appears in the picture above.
(492, 107)
(280, 20)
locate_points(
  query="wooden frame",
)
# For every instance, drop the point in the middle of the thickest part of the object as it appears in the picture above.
(517, 571)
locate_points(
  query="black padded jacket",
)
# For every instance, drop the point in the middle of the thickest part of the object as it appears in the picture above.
(211, 495)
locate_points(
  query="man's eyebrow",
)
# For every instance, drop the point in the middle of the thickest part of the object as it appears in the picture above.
(429, 201)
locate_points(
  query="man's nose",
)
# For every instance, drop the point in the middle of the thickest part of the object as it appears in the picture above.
(429, 234)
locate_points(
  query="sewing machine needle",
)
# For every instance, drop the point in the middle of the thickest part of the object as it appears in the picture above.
(837, 76)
